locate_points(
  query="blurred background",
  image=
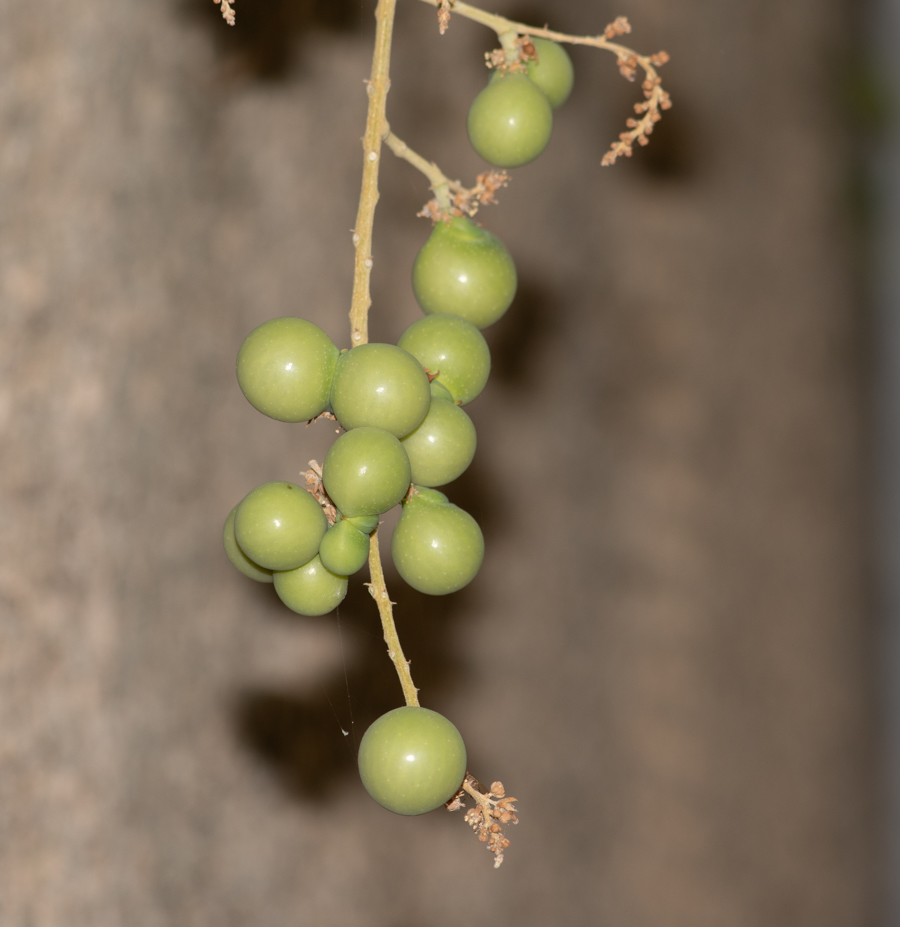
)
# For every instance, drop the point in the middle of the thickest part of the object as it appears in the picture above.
(678, 654)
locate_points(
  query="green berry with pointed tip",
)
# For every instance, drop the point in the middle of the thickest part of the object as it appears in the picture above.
(442, 447)
(366, 472)
(412, 760)
(464, 270)
(382, 386)
(311, 589)
(238, 557)
(279, 525)
(510, 121)
(285, 367)
(344, 549)
(452, 348)
(436, 546)
(552, 72)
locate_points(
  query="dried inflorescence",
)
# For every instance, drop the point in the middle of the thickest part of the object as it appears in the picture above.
(443, 14)
(619, 26)
(466, 201)
(227, 10)
(316, 487)
(655, 99)
(492, 810)
(500, 60)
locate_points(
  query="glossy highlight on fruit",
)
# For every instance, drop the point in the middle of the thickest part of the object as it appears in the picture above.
(238, 557)
(453, 348)
(412, 760)
(442, 447)
(366, 472)
(279, 525)
(285, 367)
(311, 589)
(436, 546)
(510, 121)
(464, 270)
(344, 549)
(552, 72)
(382, 386)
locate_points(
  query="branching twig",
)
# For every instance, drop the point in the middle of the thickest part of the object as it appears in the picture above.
(465, 201)
(440, 183)
(655, 98)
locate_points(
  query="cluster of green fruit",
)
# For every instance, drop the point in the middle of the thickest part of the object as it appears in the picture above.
(406, 432)
(510, 121)
(405, 435)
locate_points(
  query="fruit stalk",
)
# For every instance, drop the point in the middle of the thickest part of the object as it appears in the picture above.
(440, 183)
(378, 591)
(376, 130)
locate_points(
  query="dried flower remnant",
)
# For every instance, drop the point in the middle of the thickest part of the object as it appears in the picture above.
(466, 201)
(316, 488)
(619, 26)
(492, 810)
(227, 10)
(444, 15)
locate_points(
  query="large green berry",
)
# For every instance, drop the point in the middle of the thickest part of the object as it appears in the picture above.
(442, 447)
(366, 472)
(311, 589)
(412, 760)
(344, 549)
(436, 546)
(510, 121)
(552, 72)
(454, 349)
(279, 525)
(379, 385)
(466, 271)
(238, 557)
(285, 367)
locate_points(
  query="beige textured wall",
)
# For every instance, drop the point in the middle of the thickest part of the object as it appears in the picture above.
(667, 653)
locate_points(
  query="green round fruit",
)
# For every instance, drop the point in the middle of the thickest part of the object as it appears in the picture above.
(436, 546)
(464, 270)
(442, 447)
(552, 72)
(366, 472)
(310, 589)
(382, 386)
(364, 523)
(439, 391)
(285, 367)
(238, 557)
(412, 760)
(510, 121)
(279, 525)
(344, 549)
(454, 349)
